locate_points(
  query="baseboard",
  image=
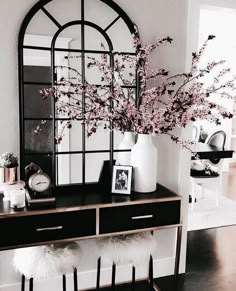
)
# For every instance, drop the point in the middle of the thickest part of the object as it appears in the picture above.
(86, 279)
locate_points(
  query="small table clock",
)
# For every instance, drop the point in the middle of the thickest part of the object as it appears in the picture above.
(38, 187)
(39, 182)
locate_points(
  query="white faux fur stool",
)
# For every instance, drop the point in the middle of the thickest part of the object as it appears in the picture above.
(41, 262)
(135, 249)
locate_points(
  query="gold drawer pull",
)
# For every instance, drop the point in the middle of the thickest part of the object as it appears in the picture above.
(49, 228)
(142, 216)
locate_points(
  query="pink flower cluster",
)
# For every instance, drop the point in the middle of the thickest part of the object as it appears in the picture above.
(174, 102)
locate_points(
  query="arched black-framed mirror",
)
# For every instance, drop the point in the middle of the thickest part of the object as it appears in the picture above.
(51, 31)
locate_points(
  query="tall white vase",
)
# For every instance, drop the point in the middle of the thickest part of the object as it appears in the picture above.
(144, 162)
(126, 144)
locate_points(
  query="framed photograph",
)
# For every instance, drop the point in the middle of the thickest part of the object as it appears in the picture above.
(121, 179)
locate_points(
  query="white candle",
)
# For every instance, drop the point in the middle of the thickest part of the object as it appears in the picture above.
(17, 198)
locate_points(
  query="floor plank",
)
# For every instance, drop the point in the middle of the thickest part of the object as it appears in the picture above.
(211, 262)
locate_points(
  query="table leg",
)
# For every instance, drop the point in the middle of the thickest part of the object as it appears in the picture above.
(177, 253)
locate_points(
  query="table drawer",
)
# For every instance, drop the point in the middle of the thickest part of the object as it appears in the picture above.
(47, 227)
(140, 216)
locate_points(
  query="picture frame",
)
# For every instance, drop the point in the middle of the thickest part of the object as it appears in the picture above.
(121, 179)
(105, 177)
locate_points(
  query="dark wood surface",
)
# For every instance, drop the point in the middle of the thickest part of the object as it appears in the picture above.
(206, 151)
(79, 215)
(210, 266)
(139, 216)
(91, 215)
(75, 200)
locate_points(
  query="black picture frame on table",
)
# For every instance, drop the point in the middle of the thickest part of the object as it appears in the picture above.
(122, 179)
(105, 178)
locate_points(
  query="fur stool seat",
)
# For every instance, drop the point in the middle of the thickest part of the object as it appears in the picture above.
(41, 262)
(133, 248)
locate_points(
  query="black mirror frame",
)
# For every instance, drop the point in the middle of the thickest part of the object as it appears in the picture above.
(39, 6)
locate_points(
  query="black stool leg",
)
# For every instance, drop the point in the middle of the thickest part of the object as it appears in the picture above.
(133, 278)
(151, 273)
(98, 273)
(75, 280)
(64, 282)
(113, 277)
(23, 283)
(31, 284)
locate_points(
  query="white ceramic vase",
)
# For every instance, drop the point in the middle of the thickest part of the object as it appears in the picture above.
(144, 162)
(126, 144)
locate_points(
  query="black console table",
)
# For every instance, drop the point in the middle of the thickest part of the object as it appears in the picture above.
(79, 216)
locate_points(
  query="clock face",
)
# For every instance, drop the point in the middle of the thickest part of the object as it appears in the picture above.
(39, 182)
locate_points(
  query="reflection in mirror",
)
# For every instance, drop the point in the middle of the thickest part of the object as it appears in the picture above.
(118, 136)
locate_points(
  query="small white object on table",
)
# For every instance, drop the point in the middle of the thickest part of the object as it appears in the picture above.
(8, 188)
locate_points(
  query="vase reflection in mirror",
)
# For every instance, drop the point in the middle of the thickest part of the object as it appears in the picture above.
(144, 162)
(126, 144)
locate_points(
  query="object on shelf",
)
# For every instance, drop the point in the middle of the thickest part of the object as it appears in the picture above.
(121, 179)
(38, 187)
(105, 177)
(7, 188)
(36, 199)
(144, 162)
(17, 198)
(8, 168)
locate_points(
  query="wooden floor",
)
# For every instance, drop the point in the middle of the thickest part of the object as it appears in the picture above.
(211, 255)
(211, 262)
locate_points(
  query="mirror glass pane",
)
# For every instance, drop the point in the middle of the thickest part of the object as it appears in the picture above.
(117, 32)
(94, 164)
(118, 137)
(38, 143)
(72, 139)
(34, 105)
(126, 67)
(99, 13)
(37, 73)
(64, 10)
(94, 40)
(92, 73)
(99, 140)
(69, 38)
(69, 169)
(40, 25)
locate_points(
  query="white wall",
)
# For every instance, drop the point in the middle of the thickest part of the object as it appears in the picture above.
(155, 19)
